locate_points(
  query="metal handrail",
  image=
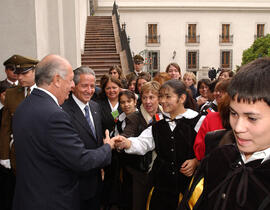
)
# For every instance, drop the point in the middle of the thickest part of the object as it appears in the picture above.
(123, 38)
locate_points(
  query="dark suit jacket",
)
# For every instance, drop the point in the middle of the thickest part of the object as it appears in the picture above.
(90, 181)
(49, 156)
(107, 118)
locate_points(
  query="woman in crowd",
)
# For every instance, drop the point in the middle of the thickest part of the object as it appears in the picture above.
(116, 72)
(138, 166)
(162, 77)
(142, 78)
(212, 120)
(110, 110)
(189, 79)
(127, 101)
(202, 91)
(173, 69)
(108, 101)
(225, 74)
(236, 176)
(172, 137)
(132, 83)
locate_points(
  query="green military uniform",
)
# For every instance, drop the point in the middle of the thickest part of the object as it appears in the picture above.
(14, 96)
(137, 59)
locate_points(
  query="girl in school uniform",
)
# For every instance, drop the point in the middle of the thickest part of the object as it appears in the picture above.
(172, 137)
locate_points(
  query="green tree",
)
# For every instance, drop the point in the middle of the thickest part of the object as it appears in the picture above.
(259, 48)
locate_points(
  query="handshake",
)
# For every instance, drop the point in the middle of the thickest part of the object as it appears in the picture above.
(117, 142)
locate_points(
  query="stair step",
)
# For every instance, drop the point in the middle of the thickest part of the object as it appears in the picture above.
(97, 58)
(99, 47)
(98, 41)
(100, 62)
(102, 55)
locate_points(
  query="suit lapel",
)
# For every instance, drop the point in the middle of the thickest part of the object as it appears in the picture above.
(79, 116)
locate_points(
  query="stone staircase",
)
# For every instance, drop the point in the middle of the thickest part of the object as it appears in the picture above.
(99, 48)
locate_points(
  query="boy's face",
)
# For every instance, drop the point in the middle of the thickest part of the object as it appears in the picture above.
(251, 125)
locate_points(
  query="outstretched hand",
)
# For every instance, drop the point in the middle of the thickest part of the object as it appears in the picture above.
(121, 142)
(108, 140)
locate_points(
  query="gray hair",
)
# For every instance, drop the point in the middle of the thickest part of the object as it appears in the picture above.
(45, 71)
(82, 70)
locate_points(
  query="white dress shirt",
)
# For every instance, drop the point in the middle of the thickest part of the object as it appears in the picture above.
(12, 83)
(49, 93)
(264, 154)
(31, 89)
(82, 106)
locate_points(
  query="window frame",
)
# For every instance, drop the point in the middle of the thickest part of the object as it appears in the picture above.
(151, 70)
(192, 68)
(152, 42)
(226, 36)
(230, 59)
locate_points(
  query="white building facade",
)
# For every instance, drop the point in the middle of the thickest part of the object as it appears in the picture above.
(194, 34)
(36, 28)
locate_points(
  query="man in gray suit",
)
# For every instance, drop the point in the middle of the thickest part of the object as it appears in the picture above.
(50, 154)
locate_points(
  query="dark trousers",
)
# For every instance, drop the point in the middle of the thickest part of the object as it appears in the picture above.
(7, 186)
(141, 188)
(161, 200)
(91, 203)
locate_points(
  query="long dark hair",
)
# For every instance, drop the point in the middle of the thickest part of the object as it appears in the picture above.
(179, 88)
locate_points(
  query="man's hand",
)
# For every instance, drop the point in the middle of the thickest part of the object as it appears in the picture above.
(122, 142)
(189, 166)
(108, 140)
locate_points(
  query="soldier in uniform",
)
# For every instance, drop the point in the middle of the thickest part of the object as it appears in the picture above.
(11, 79)
(138, 65)
(24, 68)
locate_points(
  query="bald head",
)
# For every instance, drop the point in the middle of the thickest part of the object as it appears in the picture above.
(48, 67)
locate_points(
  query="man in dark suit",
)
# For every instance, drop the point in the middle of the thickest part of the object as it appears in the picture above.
(49, 152)
(90, 181)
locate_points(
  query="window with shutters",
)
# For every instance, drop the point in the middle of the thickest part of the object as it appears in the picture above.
(192, 60)
(226, 37)
(260, 30)
(153, 61)
(192, 36)
(152, 36)
(226, 59)
(192, 33)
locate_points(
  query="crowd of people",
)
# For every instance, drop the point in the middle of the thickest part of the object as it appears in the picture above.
(133, 142)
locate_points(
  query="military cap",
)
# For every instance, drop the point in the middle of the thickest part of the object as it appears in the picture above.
(138, 59)
(21, 63)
